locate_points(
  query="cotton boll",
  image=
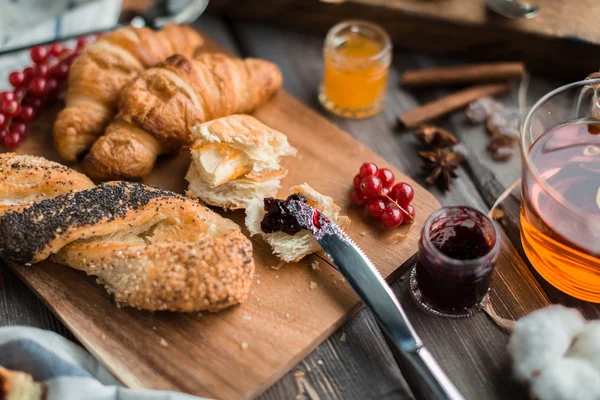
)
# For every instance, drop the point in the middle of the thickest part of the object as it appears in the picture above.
(586, 345)
(541, 338)
(567, 379)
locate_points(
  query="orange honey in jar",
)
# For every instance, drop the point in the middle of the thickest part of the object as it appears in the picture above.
(357, 57)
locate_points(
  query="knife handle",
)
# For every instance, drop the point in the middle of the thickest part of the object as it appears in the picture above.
(424, 376)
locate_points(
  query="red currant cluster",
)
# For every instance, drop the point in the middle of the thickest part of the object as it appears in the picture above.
(32, 88)
(386, 203)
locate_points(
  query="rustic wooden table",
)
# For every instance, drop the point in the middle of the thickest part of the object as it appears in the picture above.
(356, 362)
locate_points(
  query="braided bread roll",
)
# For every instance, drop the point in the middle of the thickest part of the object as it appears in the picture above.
(102, 70)
(153, 249)
(158, 109)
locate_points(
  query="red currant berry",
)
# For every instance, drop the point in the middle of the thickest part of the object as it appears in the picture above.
(27, 114)
(60, 71)
(11, 108)
(18, 127)
(29, 73)
(356, 181)
(34, 102)
(386, 176)
(370, 186)
(82, 42)
(376, 207)
(403, 193)
(38, 87)
(56, 49)
(12, 140)
(409, 215)
(41, 70)
(391, 216)
(51, 85)
(16, 78)
(3, 121)
(367, 169)
(357, 198)
(20, 93)
(6, 96)
(39, 54)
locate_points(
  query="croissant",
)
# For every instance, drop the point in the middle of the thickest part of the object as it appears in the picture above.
(99, 74)
(153, 249)
(158, 109)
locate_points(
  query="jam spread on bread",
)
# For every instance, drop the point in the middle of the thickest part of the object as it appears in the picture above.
(291, 216)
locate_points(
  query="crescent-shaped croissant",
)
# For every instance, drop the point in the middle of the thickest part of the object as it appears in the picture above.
(158, 109)
(102, 70)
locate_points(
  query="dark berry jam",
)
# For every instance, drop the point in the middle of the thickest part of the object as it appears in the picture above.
(457, 252)
(291, 216)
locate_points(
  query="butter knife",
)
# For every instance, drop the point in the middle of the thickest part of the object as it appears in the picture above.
(424, 376)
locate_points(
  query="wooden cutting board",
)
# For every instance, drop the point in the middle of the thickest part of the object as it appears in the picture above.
(239, 352)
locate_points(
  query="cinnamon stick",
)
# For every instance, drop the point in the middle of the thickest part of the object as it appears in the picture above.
(472, 73)
(443, 106)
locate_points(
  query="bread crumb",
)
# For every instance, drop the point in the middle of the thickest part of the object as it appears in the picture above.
(362, 233)
(315, 266)
(153, 328)
(163, 342)
(103, 336)
(313, 284)
(258, 282)
(335, 281)
(199, 314)
(343, 280)
(320, 362)
(287, 315)
(276, 276)
(246, 317)
(244, 345)
(278, 266)
(343, 338)
(298, 374)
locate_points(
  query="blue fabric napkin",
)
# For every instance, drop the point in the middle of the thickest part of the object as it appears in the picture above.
(70, 372)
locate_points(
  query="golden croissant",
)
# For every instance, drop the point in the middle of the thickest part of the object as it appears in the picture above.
(102, 70)
(153, 249)
(158, 109)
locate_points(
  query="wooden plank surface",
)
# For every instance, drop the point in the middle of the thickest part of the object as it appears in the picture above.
(475, 344)
(355, 362)
(563, 30)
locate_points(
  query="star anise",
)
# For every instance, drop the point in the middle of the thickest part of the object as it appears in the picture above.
(441, 163)
(430, 134)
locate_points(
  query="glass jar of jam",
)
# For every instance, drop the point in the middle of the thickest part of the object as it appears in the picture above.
(457, 252)
(357, 56)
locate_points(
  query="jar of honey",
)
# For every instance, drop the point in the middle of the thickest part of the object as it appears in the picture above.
(357, 58)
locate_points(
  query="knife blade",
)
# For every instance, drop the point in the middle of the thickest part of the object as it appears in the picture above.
(424, 376)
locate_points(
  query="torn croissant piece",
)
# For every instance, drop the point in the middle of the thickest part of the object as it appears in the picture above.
(236, 159)
(99, 74)
(18, 385)
(292, 248)
(153, 249)
(159, 108)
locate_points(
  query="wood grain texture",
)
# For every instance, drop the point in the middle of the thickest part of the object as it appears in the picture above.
(282, 320)
(354, 362)
(472, 351)
(562, 32)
